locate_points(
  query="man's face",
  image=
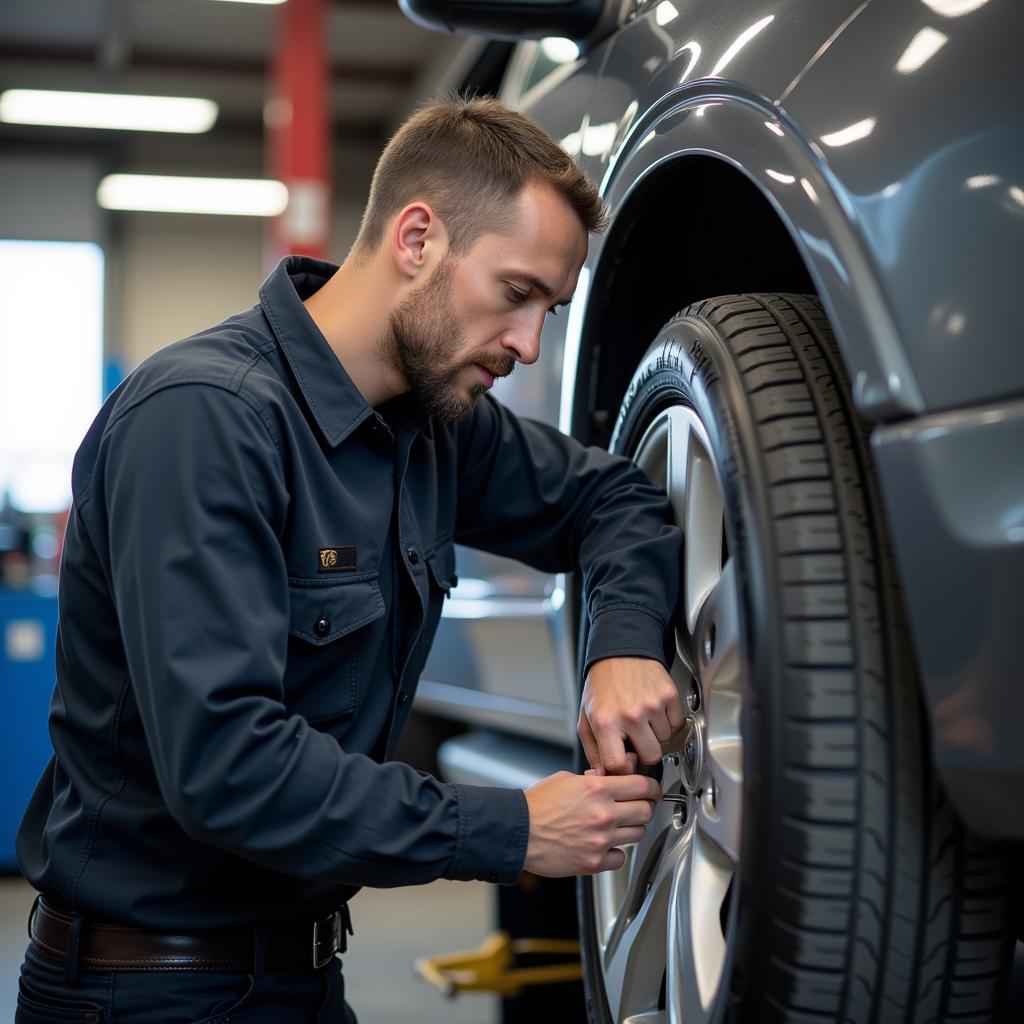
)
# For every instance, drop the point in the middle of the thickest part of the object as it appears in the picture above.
(477, 316)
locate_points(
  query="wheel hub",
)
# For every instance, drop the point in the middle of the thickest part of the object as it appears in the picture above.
(693, 755)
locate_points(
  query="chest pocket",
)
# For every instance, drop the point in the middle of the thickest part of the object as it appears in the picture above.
(441, 571)
(326, 632)
(441, 563)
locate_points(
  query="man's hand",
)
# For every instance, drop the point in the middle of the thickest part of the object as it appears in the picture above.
(627, 698)
(576, 821)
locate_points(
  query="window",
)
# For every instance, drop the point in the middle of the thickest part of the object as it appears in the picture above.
(51, 365)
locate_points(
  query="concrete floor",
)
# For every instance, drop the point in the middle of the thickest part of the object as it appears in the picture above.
(393, 928)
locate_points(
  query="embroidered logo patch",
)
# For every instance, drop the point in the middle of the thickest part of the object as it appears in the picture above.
(337, 560)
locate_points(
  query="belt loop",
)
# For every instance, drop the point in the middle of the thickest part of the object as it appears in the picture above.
(71, 957)
(346, 928)
(32, 912)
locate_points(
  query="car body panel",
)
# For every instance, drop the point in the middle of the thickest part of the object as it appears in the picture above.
(922, 133)
(953, 486)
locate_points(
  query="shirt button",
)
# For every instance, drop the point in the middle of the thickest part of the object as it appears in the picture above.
(414, 556)
(402, 697)
(323, 626)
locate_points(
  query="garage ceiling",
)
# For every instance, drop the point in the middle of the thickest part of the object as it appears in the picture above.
(381, 65)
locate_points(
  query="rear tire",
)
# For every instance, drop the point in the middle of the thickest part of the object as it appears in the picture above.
(854, 893)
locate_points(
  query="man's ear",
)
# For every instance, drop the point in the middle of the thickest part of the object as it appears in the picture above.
(418, 241)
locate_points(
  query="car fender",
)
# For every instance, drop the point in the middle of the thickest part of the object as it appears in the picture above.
(912, 118)
(743, 129)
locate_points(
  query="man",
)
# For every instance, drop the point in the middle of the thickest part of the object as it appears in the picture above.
(261, 542)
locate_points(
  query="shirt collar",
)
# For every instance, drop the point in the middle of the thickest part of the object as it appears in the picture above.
(336, 403)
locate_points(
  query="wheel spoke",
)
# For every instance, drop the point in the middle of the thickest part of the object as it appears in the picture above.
(696, 944)
(701, 523)
(720, 807)
(618, 894)
(717, 635)
(680, 421)
(634, 961)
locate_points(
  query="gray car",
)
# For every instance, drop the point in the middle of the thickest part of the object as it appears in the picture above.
(803, 323)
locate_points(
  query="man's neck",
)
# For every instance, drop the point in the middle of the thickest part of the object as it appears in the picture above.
(351, 311)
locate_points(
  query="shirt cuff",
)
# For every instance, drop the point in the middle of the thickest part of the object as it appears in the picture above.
(494, 825)
(629, 633)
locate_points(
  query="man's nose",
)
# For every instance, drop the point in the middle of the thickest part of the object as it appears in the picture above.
(524, 343)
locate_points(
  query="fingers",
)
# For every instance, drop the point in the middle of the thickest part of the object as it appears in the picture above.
(613, 860)
(661, 726)
(629, 834)
(590, 747)
(634, 813)
(612, 750)
(646, 743)
(633, 787)
(675, 715)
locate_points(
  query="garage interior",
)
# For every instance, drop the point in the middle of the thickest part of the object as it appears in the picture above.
(168, 275)
(157, 277)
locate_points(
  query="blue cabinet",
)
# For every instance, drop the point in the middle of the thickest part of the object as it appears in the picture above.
(28, 627)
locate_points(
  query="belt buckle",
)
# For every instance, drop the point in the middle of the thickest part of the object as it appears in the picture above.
(332, 940)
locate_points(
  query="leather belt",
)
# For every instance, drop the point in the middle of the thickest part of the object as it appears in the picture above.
(103, 946)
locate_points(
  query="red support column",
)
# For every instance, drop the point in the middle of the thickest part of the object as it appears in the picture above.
(298, 130)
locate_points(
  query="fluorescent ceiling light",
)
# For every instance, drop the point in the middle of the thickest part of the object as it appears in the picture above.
(559, 50)
(252, 1)
(107, 110)
(843, 137)
(666, 12)
(922, 48)
(954, 8)
(694, 50)
(741, 40)
(241, 197)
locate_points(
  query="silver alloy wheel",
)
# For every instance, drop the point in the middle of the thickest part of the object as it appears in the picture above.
(663, 914)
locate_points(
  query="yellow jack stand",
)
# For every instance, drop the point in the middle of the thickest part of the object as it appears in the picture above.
(491, 968)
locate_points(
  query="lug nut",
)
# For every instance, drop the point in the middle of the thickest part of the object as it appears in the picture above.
(693, 697)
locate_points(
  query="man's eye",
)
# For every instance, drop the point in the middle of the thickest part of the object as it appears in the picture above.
(516, 296)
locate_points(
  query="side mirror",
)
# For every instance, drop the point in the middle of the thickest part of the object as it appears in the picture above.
(518, 19)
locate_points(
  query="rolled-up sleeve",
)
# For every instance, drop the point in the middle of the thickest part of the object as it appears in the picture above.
(531, 493)
(197, 498)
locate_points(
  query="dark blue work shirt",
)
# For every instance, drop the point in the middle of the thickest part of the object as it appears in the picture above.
(253, 572)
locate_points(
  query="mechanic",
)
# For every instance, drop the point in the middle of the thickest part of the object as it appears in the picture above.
(260, 545)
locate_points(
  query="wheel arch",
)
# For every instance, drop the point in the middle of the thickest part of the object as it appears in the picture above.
(712, 195)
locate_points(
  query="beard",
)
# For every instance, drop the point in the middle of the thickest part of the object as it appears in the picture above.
(422, 338)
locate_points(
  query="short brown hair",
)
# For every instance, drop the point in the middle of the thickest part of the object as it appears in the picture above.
(466, 157)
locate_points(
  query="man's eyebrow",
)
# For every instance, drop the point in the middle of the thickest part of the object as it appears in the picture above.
(545, 289)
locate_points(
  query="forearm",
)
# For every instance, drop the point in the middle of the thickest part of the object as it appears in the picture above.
(289, 798)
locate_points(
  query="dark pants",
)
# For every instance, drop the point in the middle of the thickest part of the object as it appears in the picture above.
(305, 996)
